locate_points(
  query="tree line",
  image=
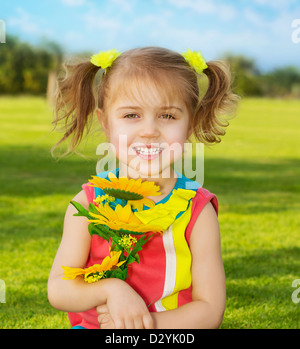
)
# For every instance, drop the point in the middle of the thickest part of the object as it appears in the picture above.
(26, 69)
(249, 81)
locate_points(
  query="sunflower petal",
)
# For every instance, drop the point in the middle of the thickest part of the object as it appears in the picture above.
(72, 273)
(107, 264)
(123, 183)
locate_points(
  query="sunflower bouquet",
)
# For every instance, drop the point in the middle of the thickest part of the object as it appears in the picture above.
(118, 224)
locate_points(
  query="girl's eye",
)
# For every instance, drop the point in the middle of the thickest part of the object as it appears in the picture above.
(131, 116)
(163, 116)
(167, 116)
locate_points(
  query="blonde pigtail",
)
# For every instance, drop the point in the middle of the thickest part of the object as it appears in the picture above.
(75, 102)
(218, 103)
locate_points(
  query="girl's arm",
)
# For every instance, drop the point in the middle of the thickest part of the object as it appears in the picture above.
(208, 279)
(127, 307)
(73, 295)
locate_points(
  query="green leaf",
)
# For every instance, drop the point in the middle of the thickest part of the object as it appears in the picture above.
(99, 230)
(130, 259)
(122, 194)
(141, 241)
(116, 239)
(137, 258)
(92, 208)
(119, 273)
(123, 231)
(81, 210)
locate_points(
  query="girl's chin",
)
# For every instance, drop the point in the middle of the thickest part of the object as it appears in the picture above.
(144, 170)
(146, 166)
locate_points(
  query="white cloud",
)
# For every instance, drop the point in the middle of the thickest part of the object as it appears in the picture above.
(225, 12)
(98, 21)
(28, 24)
(254, 18)
(124, 5)
(74, 36)
(278, 4)
(278, 27)
(23, 21)
(74, 3)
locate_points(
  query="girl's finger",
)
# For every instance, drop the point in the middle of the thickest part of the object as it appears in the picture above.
(129, 324)
(101, 318)
(102, 309)
(148, 322)
(105, 321)
(138, 323)
(119, 323)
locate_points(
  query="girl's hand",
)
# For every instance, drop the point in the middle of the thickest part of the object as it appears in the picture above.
(125, 308)
(104, 318)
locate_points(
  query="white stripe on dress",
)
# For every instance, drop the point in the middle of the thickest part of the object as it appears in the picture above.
(170, 277)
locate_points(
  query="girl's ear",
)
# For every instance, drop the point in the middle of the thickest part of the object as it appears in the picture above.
(102, 120)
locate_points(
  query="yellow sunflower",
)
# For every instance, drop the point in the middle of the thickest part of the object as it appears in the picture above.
(135, 191)
(108, 263)
(121, 218)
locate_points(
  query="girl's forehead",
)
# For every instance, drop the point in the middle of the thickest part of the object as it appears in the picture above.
(145, 91)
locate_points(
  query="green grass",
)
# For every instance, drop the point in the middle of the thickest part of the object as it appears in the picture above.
(254, 171)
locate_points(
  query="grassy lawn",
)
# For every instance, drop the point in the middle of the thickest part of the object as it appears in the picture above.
(254, 171)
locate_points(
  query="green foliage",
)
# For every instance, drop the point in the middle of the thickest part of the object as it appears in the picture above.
(282, 82)
(249, 81)
(24, 68)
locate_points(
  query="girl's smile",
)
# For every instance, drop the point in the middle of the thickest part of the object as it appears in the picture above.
(148, 152)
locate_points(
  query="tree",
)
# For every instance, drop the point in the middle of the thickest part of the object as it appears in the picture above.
(282, 82)
(246, 75)
(24, 68)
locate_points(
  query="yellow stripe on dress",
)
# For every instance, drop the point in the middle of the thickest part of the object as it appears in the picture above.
(178, 262)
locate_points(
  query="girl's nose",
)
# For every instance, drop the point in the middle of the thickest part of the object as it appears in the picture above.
(149, 129)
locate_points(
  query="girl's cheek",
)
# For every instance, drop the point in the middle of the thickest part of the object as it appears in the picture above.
(120, 142)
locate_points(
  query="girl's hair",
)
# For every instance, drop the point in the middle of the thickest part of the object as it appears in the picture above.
(77, 97)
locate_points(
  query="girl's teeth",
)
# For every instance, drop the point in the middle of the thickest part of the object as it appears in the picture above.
(146, 151)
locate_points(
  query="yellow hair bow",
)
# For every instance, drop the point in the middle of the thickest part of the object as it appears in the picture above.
(105, 59)
(195, 60)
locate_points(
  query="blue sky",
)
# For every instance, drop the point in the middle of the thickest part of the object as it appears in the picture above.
(260, 29)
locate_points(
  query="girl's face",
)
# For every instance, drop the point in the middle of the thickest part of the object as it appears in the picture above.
(147, 133)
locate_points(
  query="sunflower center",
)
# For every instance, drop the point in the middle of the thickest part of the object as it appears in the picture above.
(123, 194)
(93, 277)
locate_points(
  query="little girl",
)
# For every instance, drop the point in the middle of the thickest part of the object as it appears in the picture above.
(146, 100)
